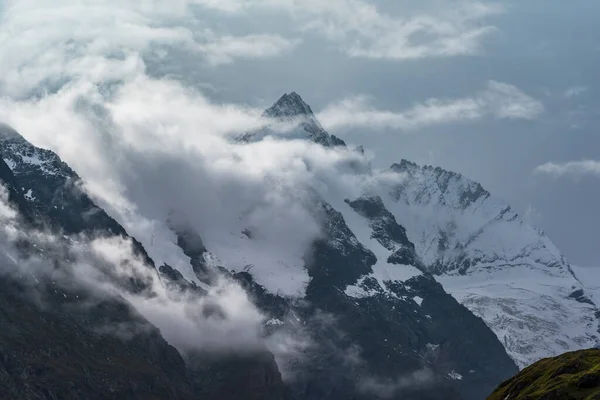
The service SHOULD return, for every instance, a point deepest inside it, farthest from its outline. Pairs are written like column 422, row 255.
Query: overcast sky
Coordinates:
column 503, row 92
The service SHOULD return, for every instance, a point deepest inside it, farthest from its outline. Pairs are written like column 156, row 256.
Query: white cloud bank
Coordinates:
column 147, row 146
column 225, row 49
column 573, row 169
column 498, row 100
column 362, row 29
column 223, row 320
column 44, row 44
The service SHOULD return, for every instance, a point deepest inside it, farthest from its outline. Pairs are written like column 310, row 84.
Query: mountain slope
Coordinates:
column 590, row 279
column 61, row 341
column 571, row 376
column 503, row 270
column 94, row 345
column 375, row 326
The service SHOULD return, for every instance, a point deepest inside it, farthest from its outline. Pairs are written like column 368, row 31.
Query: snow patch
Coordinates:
column 11, row 164
column 274, row 322
column 29, row 195
column 382, row 271
column 455, row 375
column 278, row 272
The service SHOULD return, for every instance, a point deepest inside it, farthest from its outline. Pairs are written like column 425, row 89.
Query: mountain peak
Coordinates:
column 291, row 111
column 288, row 106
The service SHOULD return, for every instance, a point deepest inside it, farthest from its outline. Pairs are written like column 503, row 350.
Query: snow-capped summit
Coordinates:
column 288, row 106
column 21, row 156
column 434, row 184
column 292, row 118
column 505, row 271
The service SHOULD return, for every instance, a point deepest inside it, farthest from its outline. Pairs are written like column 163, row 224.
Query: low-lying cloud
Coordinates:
column 222, row 320
column 391, row 388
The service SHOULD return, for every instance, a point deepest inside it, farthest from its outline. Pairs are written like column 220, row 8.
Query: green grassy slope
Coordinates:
column 571, row 376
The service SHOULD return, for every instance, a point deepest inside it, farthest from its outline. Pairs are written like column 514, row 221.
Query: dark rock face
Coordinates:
column 59, row 341
column 382, row 346
column 252, row 376
column 68, row 345
column 191, row 243
column 392, row 336
column 54, row 191
column 581, row 297
column 342, row 263
column 569, row 376
column 387, row 231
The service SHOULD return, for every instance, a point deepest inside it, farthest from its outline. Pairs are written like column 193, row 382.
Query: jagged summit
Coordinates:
column 505, row 271
column 289, row 105
column 438, row 183
column 293, row 118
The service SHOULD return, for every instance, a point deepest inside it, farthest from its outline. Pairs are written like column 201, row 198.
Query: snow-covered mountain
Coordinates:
column 505, row 271
column 489, row 259
column 376, row 324
column 590, row 279
column 371, row 292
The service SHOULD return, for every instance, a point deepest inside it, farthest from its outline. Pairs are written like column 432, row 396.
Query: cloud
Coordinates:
column 575, row 91
column 48, row 43
column 134, row 153
column 498, row 100
column 136, row 140
column 532, row 216
column 505, row 101
column 225, row 49
column 222, row 320
column 389, row 388
column 573, row 169
column 361, row 29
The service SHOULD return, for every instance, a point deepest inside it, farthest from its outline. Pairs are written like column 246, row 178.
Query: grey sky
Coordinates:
column 518, row 80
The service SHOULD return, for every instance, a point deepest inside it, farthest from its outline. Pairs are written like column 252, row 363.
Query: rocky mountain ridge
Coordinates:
column 367, row 296
column 407, row 339
column 505, row 271
column 502, row 269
